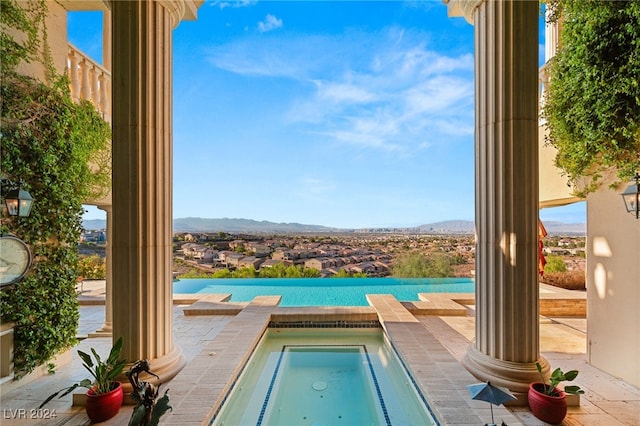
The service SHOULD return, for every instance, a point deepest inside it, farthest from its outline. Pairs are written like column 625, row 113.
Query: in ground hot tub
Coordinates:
column 324, row 377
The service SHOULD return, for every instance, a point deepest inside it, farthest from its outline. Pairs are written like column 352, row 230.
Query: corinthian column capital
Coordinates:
column 464, row 8
column 181, row 9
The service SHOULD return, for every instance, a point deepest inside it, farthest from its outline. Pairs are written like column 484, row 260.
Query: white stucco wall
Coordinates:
column 613, row 286
column 553, row 188
column 56, row 30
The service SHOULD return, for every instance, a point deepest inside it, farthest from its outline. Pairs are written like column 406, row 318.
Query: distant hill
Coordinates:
column 448, row 227
column 467, row 227
column 198, row 224
column 93, row 224
column 561, row 228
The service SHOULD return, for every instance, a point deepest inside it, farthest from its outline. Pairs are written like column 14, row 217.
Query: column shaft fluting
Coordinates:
column 506, row 168
column 142, row 184
column 107, row 327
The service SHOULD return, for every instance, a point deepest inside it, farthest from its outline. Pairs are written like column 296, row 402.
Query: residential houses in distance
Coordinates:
column 368, row 252
column 371, row 254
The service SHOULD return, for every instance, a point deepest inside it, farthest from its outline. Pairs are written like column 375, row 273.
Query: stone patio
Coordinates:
column 429, row 344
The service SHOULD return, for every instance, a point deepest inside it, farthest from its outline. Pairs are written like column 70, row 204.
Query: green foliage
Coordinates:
column 160, row 407
column 92, row 267
column 48, row 142
column 222, row 273
column 245, row 272
column 556, row 378
column 593, row 103
column 345, row 274
column 280, row 270
column 420, row 265
column 25, row 18
column 555, row 264
column 103, row 372
column 197, row 273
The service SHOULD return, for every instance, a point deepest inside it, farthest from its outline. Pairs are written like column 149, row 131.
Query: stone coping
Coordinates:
column 554, row 302
column 201, row 388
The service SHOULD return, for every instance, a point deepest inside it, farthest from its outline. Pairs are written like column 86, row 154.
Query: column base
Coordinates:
column 105, row 331
column 515, row 376
column 166, row 367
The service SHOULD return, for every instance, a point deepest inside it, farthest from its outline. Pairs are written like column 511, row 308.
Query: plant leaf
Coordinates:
column 137, row 415
column 115, row 352
column 570, row 375
column 96, row 355
column 574, row 390
column 86, row 358
column 161, row 406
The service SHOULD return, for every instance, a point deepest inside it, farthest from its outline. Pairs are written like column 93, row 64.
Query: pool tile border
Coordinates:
column 325, row 324
column 276, row 370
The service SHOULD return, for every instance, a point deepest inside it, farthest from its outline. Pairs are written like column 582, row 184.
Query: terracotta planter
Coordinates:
column 551, row 409
column 104, row 406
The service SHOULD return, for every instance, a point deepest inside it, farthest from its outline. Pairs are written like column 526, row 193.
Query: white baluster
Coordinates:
column 89, row 81
column 104, row 98
column 85, row 87
column 73, row 75
column 95, row 89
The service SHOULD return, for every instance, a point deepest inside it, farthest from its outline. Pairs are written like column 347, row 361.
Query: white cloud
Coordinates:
column 234, row 4
column 343, row 92
column 270, row 23
column 391, row 96
column 272, row 57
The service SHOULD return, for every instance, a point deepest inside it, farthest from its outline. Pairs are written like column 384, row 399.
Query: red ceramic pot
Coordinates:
column 104, row 406
column 551, row 409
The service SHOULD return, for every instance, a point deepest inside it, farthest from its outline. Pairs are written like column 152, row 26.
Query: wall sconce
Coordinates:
column 16, row 256
column 631, row 197
column 17, row 200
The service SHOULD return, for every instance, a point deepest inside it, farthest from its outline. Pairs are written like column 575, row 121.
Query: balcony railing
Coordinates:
column 89, row 81
column 543, row 80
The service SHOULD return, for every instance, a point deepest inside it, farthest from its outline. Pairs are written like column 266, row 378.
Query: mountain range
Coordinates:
column 198, row 224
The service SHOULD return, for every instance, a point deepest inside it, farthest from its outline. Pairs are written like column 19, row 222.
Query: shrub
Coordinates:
column 570, row 280
column 59, row 151
column 554, row 264
column 92, row 267
column 420, row 265
column 592, row 106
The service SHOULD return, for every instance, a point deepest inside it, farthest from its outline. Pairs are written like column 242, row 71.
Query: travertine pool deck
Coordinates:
column 432, row 345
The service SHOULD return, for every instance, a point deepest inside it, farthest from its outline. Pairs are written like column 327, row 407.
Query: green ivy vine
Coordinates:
column 59, row 150
column 593, row 102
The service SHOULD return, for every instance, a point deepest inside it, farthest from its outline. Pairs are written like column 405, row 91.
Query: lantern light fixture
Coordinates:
column 17, row 200
column 631, row 197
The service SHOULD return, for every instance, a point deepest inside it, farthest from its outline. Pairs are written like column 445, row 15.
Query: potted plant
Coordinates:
column 546, row 401
column 104, row 395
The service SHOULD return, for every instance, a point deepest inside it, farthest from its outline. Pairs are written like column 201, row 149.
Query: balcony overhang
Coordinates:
column 181, row 9
column 85, row 5
column 463, row 8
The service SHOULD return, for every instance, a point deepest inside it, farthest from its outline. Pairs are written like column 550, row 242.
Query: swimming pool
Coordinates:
column 323, row 291
column 322, row 377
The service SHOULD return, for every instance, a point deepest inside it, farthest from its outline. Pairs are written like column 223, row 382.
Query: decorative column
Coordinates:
column 107, row 53
column 107, row 327
column 142, row 183
column 551, row 35
column 506, row 167
column 106, row 39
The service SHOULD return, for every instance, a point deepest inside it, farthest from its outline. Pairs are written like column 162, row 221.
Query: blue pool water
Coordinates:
column 324, row 377
column 323, row 291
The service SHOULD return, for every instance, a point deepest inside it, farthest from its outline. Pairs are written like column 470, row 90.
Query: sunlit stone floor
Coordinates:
column 608, row 401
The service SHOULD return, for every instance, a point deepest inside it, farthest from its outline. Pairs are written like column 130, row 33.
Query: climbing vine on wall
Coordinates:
column 593, row 103
column 59, row 150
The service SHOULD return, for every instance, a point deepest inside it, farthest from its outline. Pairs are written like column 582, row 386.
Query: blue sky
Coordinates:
column 345, row 114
